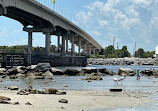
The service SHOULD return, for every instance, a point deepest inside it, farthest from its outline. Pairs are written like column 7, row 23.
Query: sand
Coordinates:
column 77, row 101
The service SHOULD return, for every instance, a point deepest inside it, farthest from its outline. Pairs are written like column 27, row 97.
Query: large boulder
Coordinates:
column 126, row 71
column 149, row 72
column 105, row 71
column 89, row 70
column 57, row 71
column 42, row 67
column 12, row 71
column 2, row 71
column 72, row 72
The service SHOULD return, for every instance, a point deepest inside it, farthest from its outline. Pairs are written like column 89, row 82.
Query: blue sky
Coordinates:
column 129, row 21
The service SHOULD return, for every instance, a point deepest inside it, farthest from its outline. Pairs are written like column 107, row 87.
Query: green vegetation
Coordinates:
column 110, row 52
column 142, row 54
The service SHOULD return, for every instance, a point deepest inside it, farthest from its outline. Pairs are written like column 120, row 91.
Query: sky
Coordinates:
column 129, row 21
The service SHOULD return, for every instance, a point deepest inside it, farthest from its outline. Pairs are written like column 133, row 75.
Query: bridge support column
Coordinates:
column 67, row 44
column 47, row 43
column 63, row 45
column 72, row 46
column 58, row 44
column 90, row 50
column 79, row 46
column 85, row 47
column 30, row 42
column 94, row 51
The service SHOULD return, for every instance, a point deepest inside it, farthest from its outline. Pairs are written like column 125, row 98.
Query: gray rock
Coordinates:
column 13, row 77
column 12, row 71
column 42, row 67
column 63, row 101
column 13, row 88
column 15, row 103
column 28, row 103
column 51, row 91
column 2, row 71
column 89, row 70
column 57, row 71
column 106, row 71
column 72, row 72
column 126, row 71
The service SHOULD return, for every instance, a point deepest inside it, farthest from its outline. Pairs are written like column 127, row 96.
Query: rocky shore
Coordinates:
column 30, row 99
column 123, row 61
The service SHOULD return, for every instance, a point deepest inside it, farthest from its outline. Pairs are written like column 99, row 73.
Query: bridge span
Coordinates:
column 36, row 17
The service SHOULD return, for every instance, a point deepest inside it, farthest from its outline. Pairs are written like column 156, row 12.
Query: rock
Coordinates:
column 60, row 93
column 13, row 77
column 23, row 92
column 1, row 80
column 20, row 75
column 106, row 71
column 149, row 72
column 63, row 101
column 2, row 71
column 89, row 70
column 42, row 67
column 20, row 69
column 33, row 91
column 39, row 77
column 47, row 73
column 57, row 71
column 72, row 72
column 4, row 76
column 51, row 91
column 126, row 71
column 28, row 103
column 15, row 103
column 65, row 85
column 31, row 68
column 12, row 71
column 93, row 78
column 13, row 88
column 4, row 98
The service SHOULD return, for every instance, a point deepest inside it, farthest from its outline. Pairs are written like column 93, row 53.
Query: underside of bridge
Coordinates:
column 37, row 18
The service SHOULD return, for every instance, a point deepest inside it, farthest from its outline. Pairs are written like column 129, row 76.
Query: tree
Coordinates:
column 140, row 53
column 125, row 52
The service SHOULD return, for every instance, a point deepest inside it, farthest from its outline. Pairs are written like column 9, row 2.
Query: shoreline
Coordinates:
column 77, row 100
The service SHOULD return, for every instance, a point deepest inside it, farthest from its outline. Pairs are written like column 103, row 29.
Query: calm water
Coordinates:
column 146, row 84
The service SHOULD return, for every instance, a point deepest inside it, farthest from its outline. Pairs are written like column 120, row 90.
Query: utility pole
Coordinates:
column 117, row 45
column 113, row 41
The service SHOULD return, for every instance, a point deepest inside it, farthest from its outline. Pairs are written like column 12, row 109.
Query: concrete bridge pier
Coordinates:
column 63, row 45
column 67, row 48
column 90, row 49
column 79, row 46
column 72, row 45
column 47, row 43
column 85, row 47
column 58, row 43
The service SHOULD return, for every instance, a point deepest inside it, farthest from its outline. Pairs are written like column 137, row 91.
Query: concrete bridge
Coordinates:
column 36, row 17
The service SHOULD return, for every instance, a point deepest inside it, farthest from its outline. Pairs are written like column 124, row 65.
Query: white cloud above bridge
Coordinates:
column 129, row 21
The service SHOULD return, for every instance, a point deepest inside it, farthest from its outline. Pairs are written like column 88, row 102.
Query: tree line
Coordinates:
column 111, row 52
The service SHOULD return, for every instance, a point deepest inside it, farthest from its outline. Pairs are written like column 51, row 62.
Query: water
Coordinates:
column 146, row 84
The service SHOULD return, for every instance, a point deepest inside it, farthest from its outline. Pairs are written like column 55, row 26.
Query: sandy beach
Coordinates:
column 77, row 101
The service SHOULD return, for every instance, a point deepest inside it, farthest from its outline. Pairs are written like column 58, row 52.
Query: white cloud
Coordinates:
column 129, row 20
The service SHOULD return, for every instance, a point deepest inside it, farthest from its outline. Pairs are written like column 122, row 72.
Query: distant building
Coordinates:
column 156, row 51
